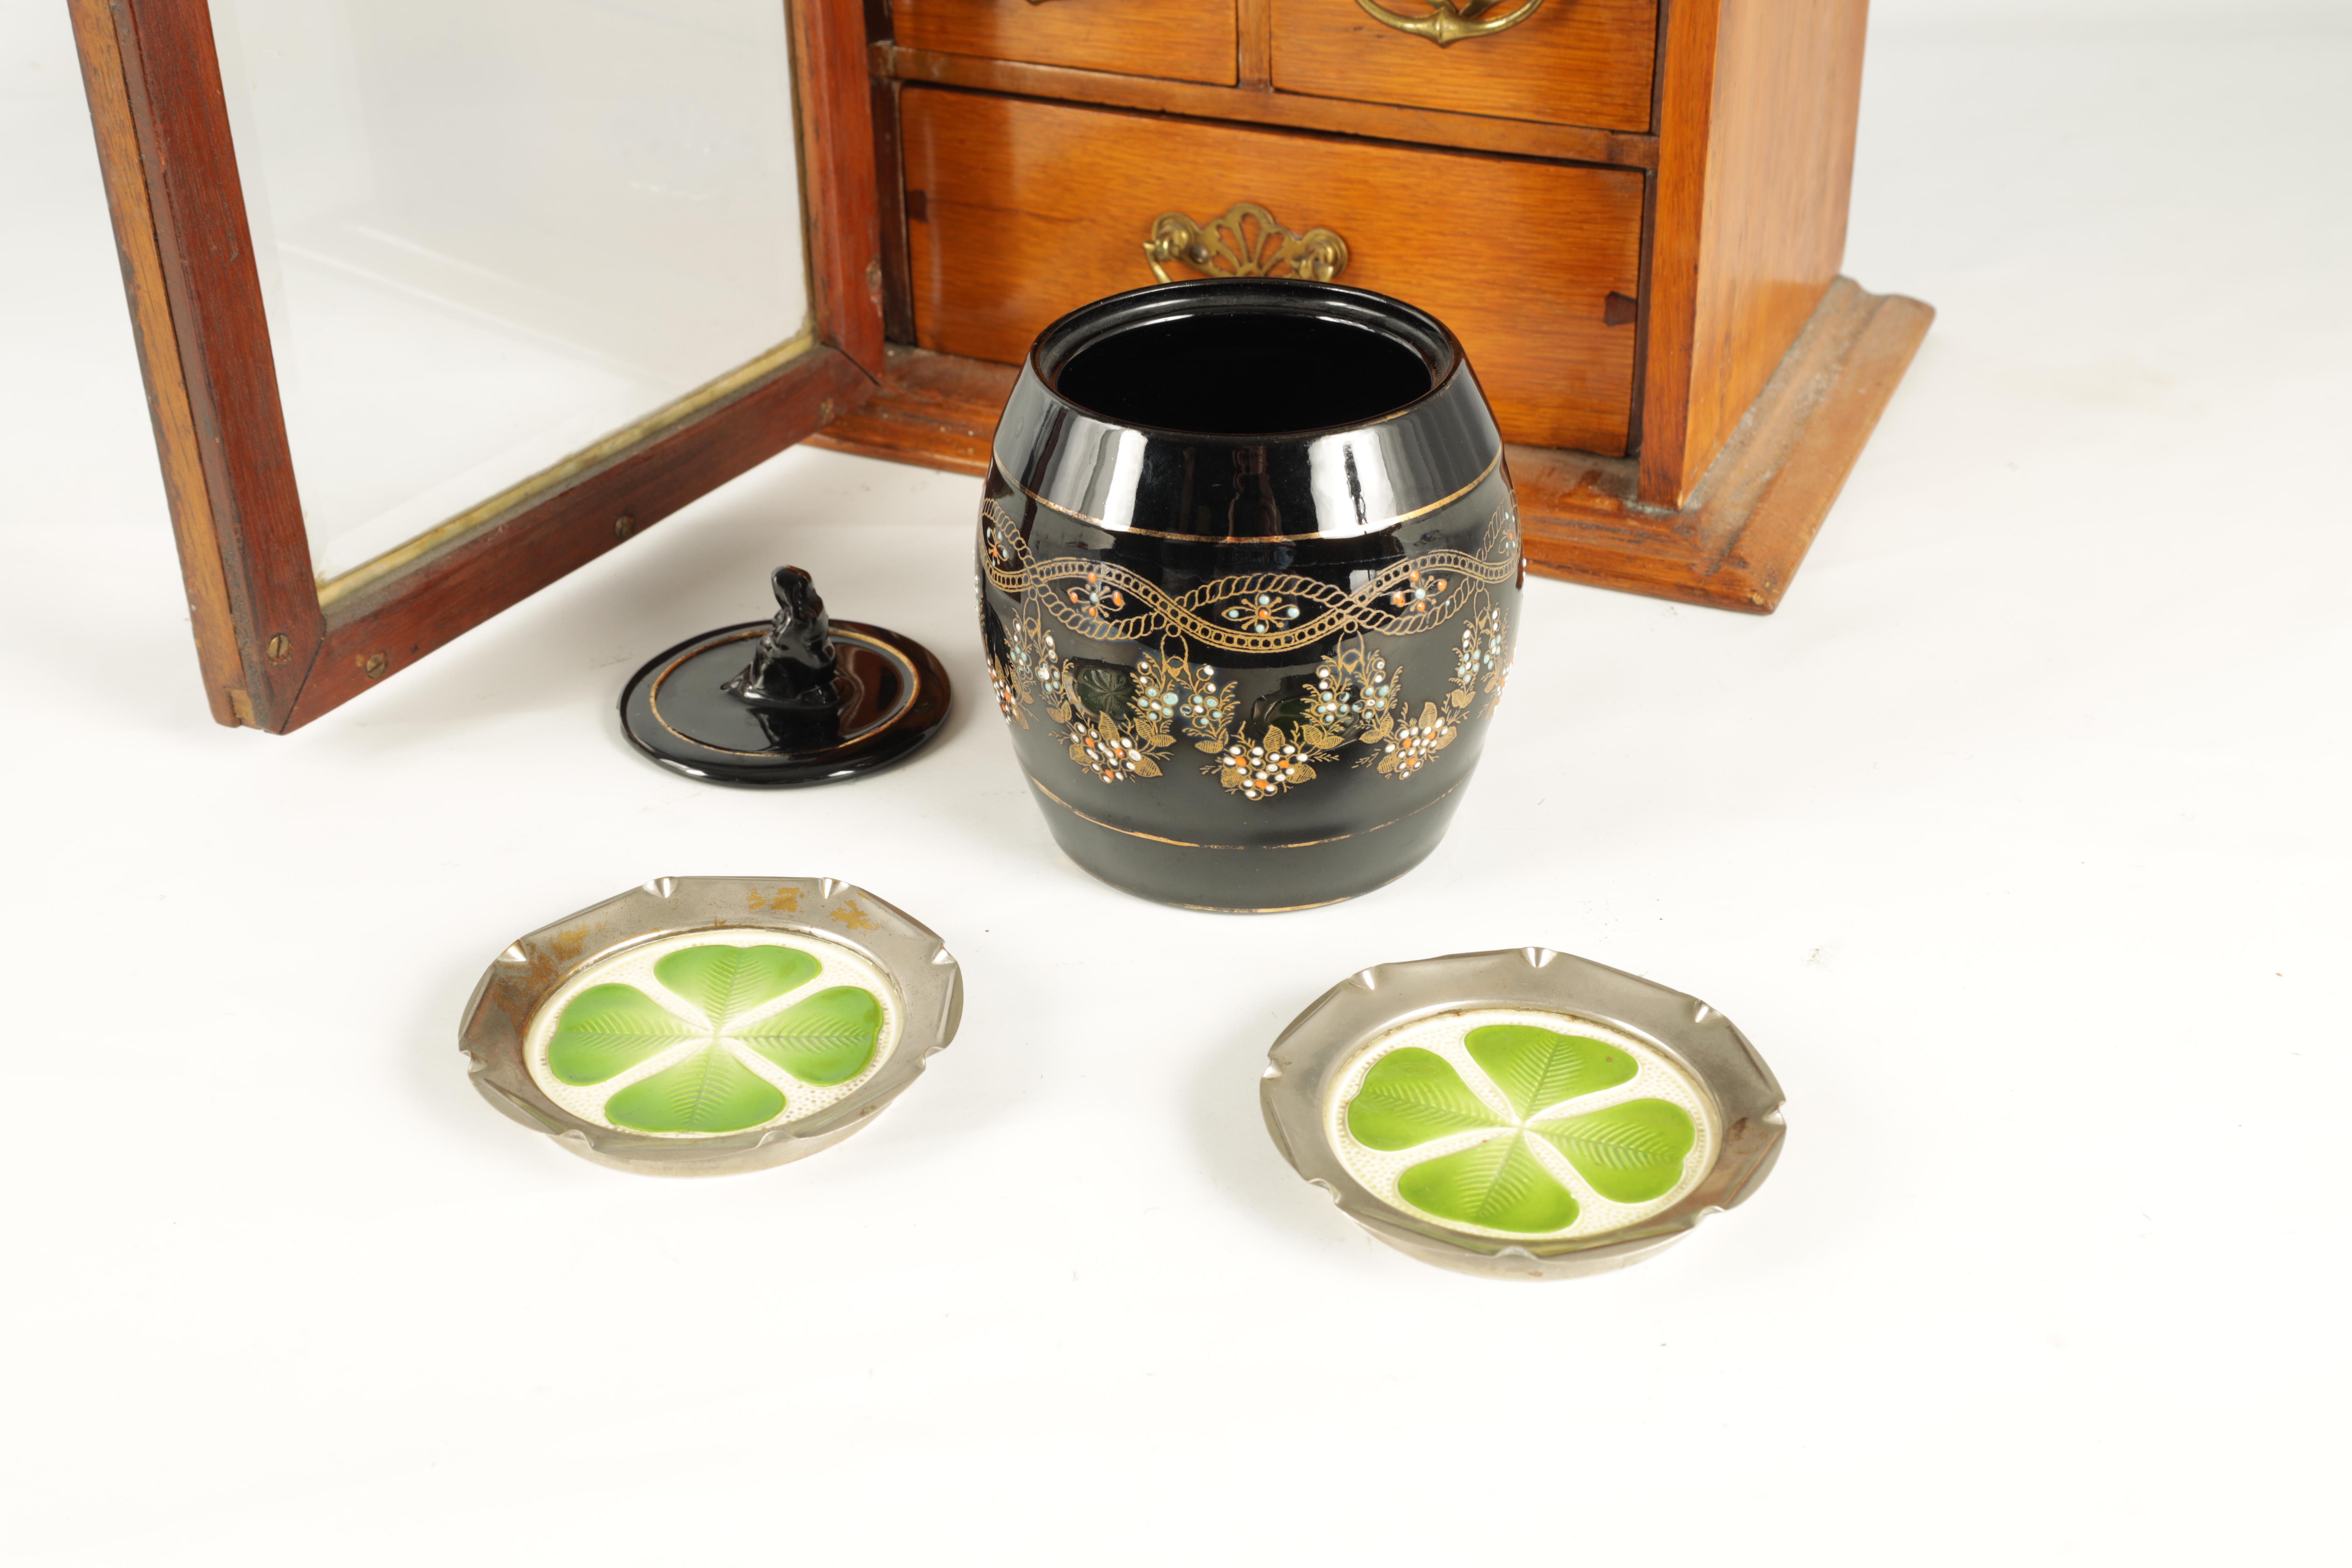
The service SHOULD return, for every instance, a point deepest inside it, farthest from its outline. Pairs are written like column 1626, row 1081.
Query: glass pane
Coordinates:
column 492, row 231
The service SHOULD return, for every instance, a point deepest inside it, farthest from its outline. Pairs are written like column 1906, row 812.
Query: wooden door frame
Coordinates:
column 275, row 651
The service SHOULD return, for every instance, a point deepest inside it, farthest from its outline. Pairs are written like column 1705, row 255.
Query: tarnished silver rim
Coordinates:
column 1304, row 1062
column 499, row 1018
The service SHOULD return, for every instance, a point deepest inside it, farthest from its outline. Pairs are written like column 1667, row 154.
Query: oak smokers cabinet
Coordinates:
column 1632, row 212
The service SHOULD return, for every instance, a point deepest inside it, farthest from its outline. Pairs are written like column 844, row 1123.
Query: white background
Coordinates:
column 2016, row 839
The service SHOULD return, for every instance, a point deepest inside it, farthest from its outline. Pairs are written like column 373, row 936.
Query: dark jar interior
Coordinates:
column 1245, row 359
column 1246, row 409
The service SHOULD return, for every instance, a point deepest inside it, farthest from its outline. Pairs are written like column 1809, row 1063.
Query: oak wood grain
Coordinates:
column 1031, row 209
column 1254, row 19
column 935, row 410
column 840, row 202
column 1678, row 210
column 1736, row 542
column 1577, row 62
column 1192, row 41
column 137, row 247
column 1759, row 103
column 1788, row 92
column 218, row 354
column 1418, row 127
column 890, row 195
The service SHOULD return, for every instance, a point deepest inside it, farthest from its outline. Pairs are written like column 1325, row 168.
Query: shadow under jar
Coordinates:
column 1249, row 579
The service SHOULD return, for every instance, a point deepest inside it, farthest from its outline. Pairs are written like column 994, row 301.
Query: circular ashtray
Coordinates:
column 700, row 1025
column 1523, row 1114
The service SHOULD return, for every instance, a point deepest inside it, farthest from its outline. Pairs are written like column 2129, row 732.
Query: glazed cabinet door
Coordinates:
column 437, row 300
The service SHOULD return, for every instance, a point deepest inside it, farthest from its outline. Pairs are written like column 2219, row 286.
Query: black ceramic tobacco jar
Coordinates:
column 1249, row 578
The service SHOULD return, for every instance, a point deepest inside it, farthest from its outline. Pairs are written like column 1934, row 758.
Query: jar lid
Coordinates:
column 1522, row 1114
column 701, row 1025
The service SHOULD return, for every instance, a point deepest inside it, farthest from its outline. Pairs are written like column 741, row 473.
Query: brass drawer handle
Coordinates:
column 1244, row 241
column 1451, row 23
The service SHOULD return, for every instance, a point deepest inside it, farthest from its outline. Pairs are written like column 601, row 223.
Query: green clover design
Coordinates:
column 824, row 1039
column 1629, row 1152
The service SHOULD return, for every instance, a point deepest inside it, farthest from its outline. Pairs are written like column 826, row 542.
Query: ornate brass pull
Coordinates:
column 1450, row 22
column 1244, row 241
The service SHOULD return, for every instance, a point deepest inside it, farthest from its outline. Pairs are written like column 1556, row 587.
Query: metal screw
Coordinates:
column 625, row 525
column 372, row 665
column 280, row 648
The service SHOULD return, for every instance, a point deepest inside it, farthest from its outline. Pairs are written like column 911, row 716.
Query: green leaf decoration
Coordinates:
column 1412, row 1096
column 827, row 1040
column 1538, row 1069
column 1288, row 711
column 1498, row 1184
column 710, row 1091
column 1630, row 1153
column 729, row 982
column 1105, row 689
column 608, row 1029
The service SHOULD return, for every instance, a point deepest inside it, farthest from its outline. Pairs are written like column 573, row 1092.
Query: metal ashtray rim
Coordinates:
column 498, row 1016
column 1319, row 1043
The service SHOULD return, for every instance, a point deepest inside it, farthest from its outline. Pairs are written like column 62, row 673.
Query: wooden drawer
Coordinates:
column 1019, row 211
column 1578, row 62
column 1185, row 41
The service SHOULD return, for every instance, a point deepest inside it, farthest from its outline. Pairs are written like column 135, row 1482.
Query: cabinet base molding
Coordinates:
column 1734, row 546
column 1738, row 540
